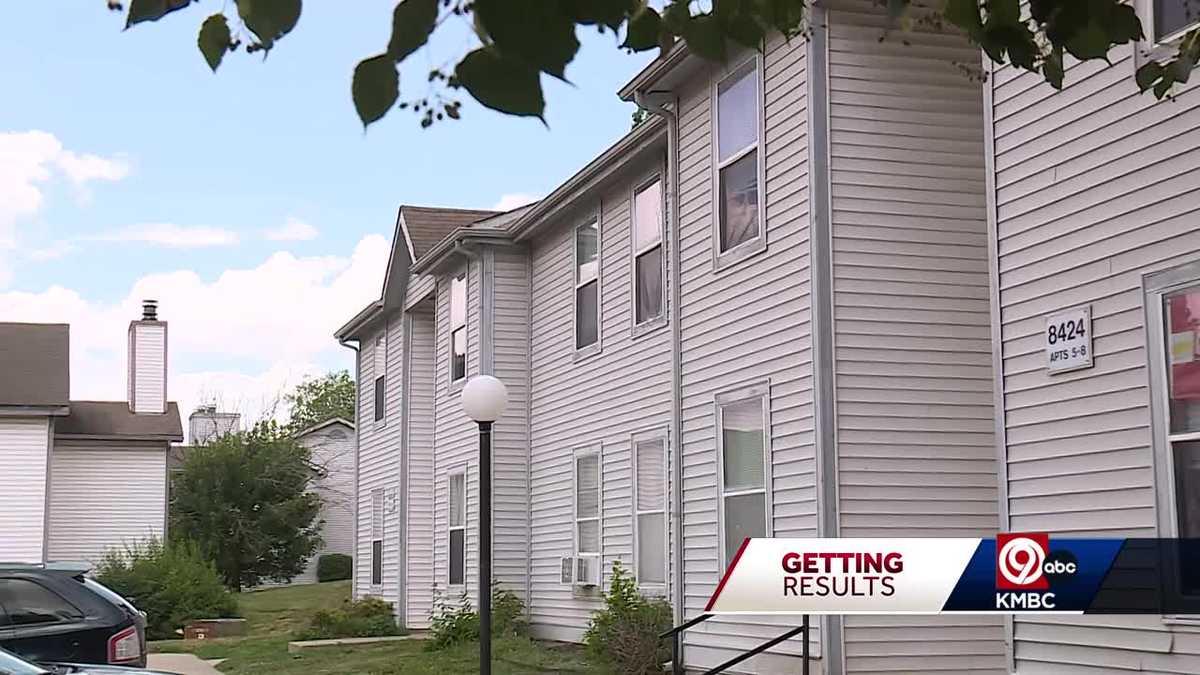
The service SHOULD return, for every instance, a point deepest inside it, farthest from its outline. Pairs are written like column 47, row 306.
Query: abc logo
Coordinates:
column 1060, row 567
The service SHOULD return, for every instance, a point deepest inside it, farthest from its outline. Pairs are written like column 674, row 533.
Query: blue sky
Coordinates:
column 149, row 175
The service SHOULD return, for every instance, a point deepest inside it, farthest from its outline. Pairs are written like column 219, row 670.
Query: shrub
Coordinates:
column 368, row 617
column 455, row 624
column 334, row 567
column 624, row 635
column 172, row 583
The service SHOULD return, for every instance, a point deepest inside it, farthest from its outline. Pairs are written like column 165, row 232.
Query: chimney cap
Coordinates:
column 149, row 310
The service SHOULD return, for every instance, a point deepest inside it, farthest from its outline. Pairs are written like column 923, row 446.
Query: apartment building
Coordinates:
column 808, row 297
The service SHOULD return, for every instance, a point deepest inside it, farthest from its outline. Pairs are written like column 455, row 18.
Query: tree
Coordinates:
column 519, row 40
column 319, row 399
column 245, row 501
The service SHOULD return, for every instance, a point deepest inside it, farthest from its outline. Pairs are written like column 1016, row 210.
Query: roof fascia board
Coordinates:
column 655, row 70
column 460, row 240
column 36, row 410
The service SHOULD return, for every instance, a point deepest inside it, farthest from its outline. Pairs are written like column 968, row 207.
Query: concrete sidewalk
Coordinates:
column 181, row 664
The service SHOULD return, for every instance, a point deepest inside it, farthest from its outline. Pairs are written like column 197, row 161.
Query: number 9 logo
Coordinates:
column 1021, row 560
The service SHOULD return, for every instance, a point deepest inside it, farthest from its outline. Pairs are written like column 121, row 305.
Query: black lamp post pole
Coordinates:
column 485, row 548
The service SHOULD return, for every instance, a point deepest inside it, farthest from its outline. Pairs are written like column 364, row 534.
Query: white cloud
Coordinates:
column 29, row 160
column 509, row 202
column 170, row 235
column 54, row 251
column 293, row 229
column 241, row 338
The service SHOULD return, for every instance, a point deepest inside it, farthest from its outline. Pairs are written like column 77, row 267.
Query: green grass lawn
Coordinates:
column 273, row 615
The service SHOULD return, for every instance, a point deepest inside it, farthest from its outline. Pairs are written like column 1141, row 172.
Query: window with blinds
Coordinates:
column 650, row 505
column 457, row 529
column 741, row 430
column 377, row 537
column 587, row 502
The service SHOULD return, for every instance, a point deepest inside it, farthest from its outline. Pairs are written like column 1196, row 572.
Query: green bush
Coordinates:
column 624, row 635
column 334, row 567
column 455, row 624
column 368, row 617
column 172, row 583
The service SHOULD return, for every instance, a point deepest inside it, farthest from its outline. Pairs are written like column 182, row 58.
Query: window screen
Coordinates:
column 743, row 473
column 737, row 157
column 647, row 251
column 1172, row 16
column 587, row 284
column 651, row 486
column 587, row 503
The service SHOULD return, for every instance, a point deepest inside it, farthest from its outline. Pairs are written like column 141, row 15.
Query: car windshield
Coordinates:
column 13, row 665
column 108, row 594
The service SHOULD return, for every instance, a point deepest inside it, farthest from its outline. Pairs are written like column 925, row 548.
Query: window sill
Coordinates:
column 648, row 326
column 457, row 385
column 1160, row 50
column 586, row 352
column 653, row 591
column 1184, row 623
column 737, row 254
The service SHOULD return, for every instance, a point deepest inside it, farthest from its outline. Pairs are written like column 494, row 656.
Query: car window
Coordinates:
column 14, row 665
column 29, row 603
column 108, row 594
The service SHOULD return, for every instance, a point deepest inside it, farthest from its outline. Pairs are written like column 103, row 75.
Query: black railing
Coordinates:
column 676, row 637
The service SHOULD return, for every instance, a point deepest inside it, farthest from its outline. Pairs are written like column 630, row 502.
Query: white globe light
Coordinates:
column 484, row 398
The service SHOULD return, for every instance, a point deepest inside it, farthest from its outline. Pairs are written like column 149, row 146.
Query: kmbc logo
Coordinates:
column 1021, row 562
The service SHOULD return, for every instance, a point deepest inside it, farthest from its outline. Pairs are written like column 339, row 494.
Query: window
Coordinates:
column 741, row 423
column 458, row 328
column 739, row 219
column 30, row 603
column 377, row 537
column 457, row 529
column 1181, row 312
column 650, row 518
column 587, row 284
column 380, row 376
column 1173, row 16
column 587, row 503
column 648, row 252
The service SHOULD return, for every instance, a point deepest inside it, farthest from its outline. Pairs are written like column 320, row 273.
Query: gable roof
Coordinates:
column 113, row 419
column 35, row 360
column 425, row 226
column 322, row 425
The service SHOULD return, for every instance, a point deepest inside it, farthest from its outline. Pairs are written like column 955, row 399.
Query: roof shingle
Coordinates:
column 34, row 364
column 427, row 226
column 113, row 419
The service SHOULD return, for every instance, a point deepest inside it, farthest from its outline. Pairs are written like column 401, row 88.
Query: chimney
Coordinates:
column 148, row 362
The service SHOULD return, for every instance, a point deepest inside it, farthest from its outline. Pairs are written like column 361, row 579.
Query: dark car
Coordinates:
column 60, row 616
column 11, row 664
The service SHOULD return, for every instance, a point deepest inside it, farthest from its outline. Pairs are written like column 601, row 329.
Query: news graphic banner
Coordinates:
column 1013, row 573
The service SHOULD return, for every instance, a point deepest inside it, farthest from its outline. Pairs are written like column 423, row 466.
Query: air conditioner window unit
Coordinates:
column 587, row 570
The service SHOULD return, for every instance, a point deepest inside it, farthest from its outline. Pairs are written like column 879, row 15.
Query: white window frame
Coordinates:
column 594, row 348
column 466, row 279
column 762, row 392
column 377, row 538
column 1152, row 47
column 379, row 378
column 650, row 436
column 1156, row 286
column 648, row 325
column 750, row 247
column 450, row 527
column 580, row 453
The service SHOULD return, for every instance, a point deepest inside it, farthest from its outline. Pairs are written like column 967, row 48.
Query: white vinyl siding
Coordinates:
column 742, row 325
column 86, row 522
column 332, row 451
column 604, row 398
column 1096, row 186
column 148, row 389
column 419, row 537
column 23, row 455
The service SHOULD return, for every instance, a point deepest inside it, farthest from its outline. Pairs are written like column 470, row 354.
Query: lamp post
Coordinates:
column 483, row 400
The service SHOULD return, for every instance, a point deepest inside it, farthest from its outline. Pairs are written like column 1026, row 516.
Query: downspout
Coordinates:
column 357, row 463
column 645, row 102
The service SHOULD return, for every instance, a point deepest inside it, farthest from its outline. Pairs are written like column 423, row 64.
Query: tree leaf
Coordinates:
column 269, row 20
column 152, row 10
column 643, row 30
column 1148, row 74
column 1052, row 68
column 535, row 31
column 375, row 87
column 215, row 39
column 1006, row 12
column 412, row 23
column 501, row 83
column 705, row 38
column 1090, row 42
column 965, row 15
column 611, row 13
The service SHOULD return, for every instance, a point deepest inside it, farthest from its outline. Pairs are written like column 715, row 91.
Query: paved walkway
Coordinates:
column 181, row 664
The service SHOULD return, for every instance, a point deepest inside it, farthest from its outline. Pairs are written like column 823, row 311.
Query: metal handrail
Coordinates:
column 676, row 635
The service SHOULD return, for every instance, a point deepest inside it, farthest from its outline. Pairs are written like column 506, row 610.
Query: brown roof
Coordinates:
column 112, row 419
column 427, row 226
column 35, row 362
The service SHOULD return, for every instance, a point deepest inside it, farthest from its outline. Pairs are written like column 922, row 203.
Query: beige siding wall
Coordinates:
column 84, row 522
column 23, row 461
column 1095, row 186
column 742, row 326
column 418, row 548
column 913, row 374
column 597, row 401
